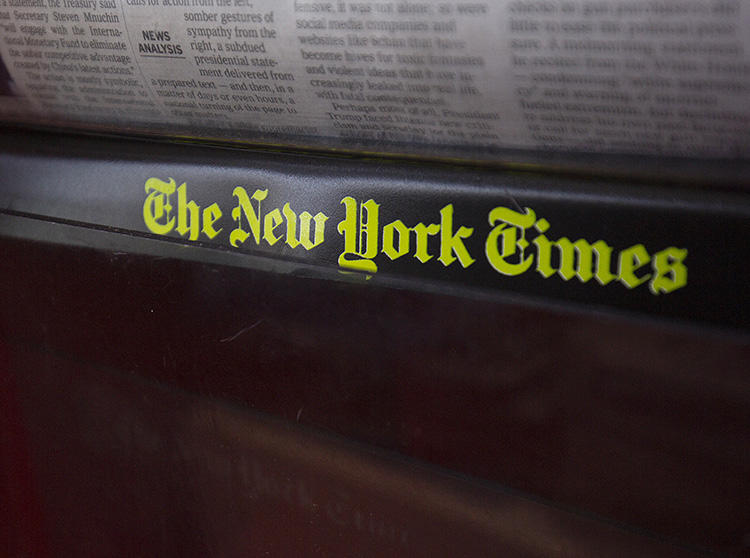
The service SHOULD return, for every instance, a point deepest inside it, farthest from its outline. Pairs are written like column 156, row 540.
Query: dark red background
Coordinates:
column 136, row 421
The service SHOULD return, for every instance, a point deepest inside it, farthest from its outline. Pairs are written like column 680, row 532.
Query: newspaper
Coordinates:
column 668, row 77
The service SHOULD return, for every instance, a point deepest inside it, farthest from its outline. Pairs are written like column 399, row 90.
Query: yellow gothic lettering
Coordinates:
column 244, row 207
column 516, row 242
column 210, row 215
column 581, row 259
column 360, row 231
column 423, row 233
column 576, row 258
column 670, row 272
column 631, row 260
column 306, row 230
column 187, row 223
column 453, row 243
column 272, row 221
column 392, row 248
column 305, row 219
column 508, row 237
column 156, row 208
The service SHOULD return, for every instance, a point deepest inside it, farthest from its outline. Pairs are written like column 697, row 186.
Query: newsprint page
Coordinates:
column 659, row 77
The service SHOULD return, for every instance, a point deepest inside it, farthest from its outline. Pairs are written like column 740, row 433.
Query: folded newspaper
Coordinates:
column 657, row 77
